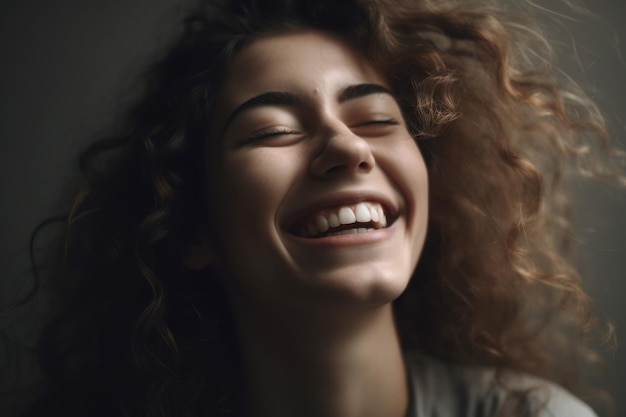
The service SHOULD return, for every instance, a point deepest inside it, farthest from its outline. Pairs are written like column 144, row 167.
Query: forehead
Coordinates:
column 311, row 63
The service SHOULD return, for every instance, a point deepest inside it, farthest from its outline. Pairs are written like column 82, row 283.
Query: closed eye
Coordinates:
column 375, row 127
column 270, row 133
column 379, row 122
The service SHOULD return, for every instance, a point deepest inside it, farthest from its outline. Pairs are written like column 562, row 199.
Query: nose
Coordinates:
column 342, row 152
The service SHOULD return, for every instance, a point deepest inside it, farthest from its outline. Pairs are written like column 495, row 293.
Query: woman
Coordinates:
column 345, row 209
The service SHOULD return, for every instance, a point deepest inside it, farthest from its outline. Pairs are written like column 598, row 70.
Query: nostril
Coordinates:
column 364, row 165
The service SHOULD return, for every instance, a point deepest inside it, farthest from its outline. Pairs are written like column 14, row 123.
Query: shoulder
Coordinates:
column 441, row 388
column 549, row 399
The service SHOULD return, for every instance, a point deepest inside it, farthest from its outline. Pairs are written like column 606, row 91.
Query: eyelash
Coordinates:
column 270, row 133
column 380, row 122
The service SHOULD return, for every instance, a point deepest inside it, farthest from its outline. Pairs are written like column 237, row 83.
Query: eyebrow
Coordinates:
column 286, row 98
column 361, row 90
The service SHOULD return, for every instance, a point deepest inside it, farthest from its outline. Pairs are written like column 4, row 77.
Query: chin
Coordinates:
column 365, row 286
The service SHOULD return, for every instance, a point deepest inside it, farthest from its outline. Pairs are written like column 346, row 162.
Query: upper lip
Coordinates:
column 336, row 199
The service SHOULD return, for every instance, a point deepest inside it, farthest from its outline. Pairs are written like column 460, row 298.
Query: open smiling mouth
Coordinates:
column 362, row 217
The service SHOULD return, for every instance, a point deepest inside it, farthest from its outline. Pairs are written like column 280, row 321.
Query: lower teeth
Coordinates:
column 351, row 231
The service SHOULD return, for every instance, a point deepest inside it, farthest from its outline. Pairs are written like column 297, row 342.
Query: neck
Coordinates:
column 341, row 364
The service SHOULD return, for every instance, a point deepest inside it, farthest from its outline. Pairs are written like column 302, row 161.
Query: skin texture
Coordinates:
column 336, row 153
column 314, row 315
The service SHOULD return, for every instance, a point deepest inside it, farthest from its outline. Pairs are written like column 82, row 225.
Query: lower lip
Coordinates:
column 355, row 239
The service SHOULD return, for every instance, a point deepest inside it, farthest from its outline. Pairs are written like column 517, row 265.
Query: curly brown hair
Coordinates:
column 139, row 335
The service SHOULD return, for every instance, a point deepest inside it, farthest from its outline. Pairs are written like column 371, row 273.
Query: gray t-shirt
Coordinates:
column 439, row 389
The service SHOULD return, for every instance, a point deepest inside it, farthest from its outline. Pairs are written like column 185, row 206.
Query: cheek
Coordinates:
column 251, row 187
column 405, row 165
column 251, row 182
column 407, row 171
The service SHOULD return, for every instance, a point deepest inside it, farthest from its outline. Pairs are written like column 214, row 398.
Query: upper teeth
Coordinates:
column 323, row 221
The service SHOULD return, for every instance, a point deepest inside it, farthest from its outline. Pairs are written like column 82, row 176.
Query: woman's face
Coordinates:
column 321, row 192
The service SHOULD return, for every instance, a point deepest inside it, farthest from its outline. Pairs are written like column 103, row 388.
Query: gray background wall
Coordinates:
column 65, row 63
